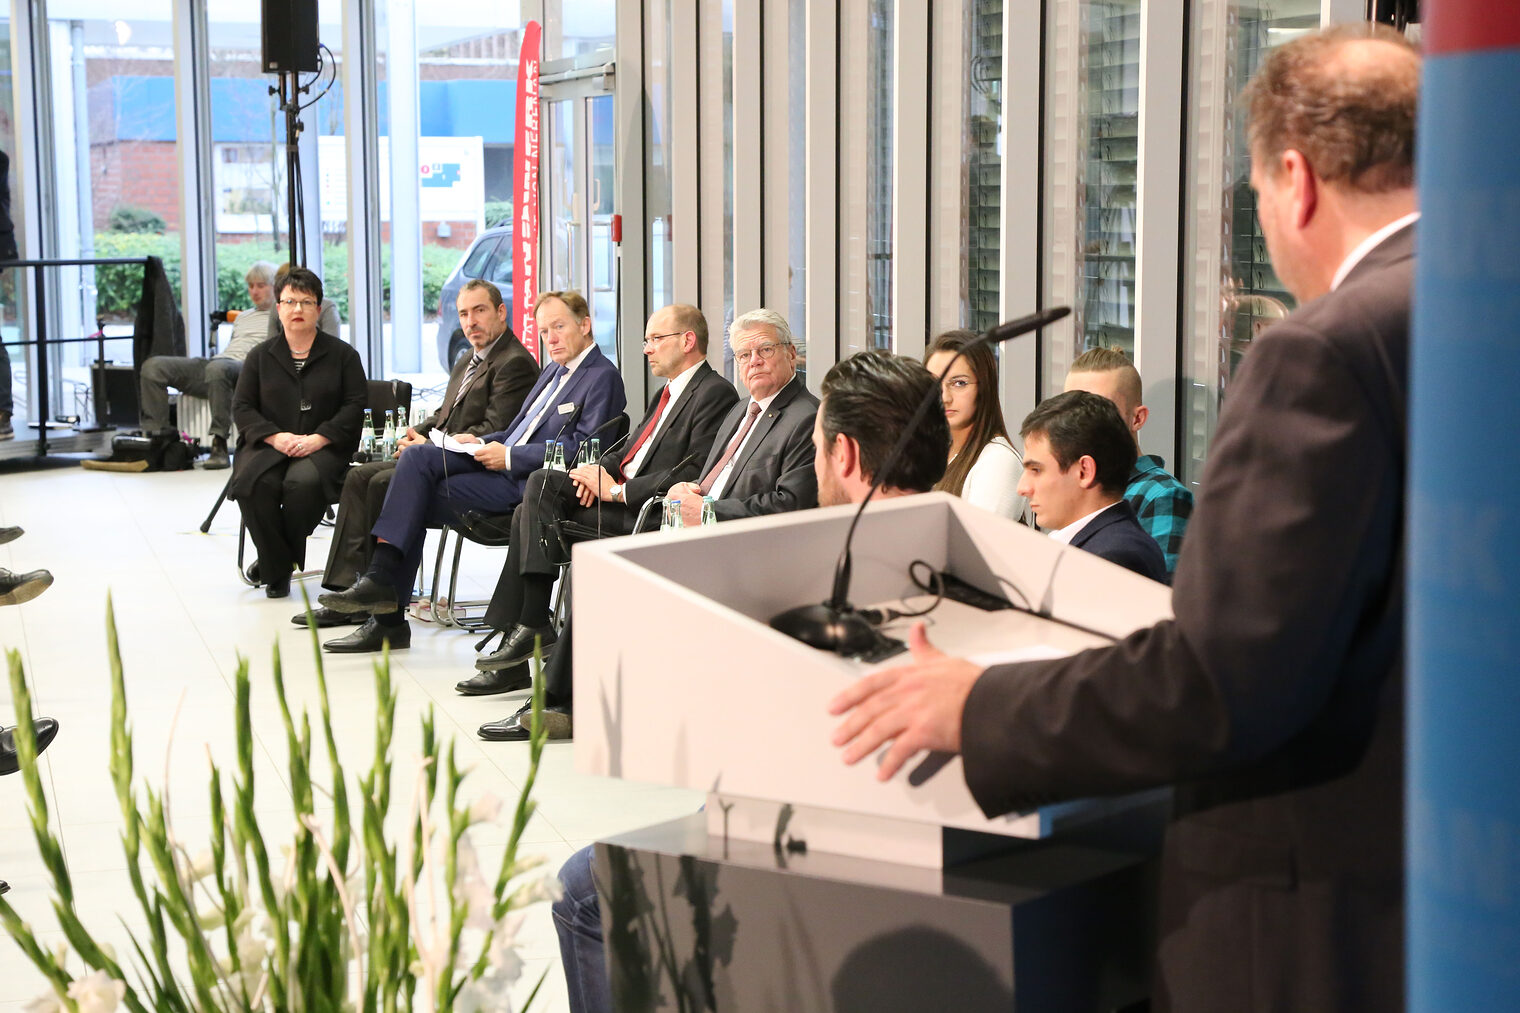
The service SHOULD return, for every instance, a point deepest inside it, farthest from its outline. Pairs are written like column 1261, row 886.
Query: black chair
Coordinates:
column 383, row 396
column 492, row 530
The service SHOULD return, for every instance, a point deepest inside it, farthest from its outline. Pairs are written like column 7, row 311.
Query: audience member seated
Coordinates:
column 299, row 407
column 984, row 467
column 574, row 396
column 667, row 446
column 761, row 462
column 215, row 378
column 867, row 400
column 484, row 394
column 1162, row 504
column 1078, row 454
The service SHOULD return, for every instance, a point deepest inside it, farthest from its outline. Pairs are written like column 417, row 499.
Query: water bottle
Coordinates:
column 593, row 450
column 388, row 440
column 709, row 515
column 672, row 516
column 367, row 434
column 549, row 455
column 559, row 456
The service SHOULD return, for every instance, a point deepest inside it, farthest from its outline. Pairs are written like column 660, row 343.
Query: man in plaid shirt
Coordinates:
column 1161, row 503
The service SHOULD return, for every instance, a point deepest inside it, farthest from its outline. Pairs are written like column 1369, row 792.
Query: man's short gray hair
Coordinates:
column 262, row 272
column 762, row 318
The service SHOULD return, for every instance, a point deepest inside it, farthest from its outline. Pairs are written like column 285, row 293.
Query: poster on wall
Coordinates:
column 525, row 192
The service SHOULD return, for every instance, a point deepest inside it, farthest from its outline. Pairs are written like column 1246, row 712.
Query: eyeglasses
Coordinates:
column 304, row 304
column 655, row 339
column 765, row 352
column 956, row 385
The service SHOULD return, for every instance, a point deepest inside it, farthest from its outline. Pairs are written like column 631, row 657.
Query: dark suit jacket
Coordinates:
column 495, row 394
column 1117, row 536
column 774, row 471
column 592, row 397
column 1276, row 695
column 688, row 432
column 268, row 401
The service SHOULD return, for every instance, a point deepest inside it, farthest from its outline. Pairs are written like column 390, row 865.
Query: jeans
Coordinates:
column 578, row 921
column 212, row 379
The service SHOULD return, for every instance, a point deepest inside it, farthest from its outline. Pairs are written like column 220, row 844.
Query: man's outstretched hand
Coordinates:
column 914, row 707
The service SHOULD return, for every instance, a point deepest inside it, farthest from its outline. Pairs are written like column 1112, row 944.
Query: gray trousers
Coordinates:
column 212, row 379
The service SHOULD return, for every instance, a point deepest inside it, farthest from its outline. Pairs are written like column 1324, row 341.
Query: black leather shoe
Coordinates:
column 502, row 680
column 371, row 637
column 558, row 725
column 218, row 458
column 10, row 534
column 367, row 595
column 251, row 571
column 326, row 617
column 45, row 729
column 279, row 588
column 5, row 888
column 16, row 588
column 518, row 647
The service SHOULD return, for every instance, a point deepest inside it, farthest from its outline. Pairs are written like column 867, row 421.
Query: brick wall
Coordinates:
column 143, row 174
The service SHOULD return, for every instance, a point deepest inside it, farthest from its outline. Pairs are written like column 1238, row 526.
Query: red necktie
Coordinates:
column 659, row 413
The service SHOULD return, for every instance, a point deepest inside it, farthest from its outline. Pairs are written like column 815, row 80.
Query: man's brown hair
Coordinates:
column 1345, row 98
column 1112, row 360
column 492, row 292
column 689, row 318
column 573, row 300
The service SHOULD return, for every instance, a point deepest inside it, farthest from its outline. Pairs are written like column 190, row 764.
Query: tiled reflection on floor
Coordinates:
column 185, row 620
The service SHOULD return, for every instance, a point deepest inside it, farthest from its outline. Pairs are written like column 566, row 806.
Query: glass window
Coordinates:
column 982, row 213
column 1230, row 292
column 865, row 178
column 658, row 195
column 585, row 25
column 1092, row 130
column 13, row 356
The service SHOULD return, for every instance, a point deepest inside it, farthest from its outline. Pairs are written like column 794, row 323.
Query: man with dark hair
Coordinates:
column 868, row 399
column 1162, row 504
column 603, row 497
column 1275, row 698
column 574, row 396
column 1078, row 455
column 485, row 391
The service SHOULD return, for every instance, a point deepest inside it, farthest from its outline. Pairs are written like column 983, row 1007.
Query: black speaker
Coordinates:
column 290, row 36
column 115, row 395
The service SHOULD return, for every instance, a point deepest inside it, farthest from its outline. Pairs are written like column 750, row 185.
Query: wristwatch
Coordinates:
column 616, row 492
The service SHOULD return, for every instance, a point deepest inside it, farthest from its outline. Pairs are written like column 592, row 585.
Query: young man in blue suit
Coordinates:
column 575, row 395
column 1078, row 454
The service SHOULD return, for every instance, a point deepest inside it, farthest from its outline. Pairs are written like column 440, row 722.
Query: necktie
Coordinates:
column 530, row 417
column 654, row 422
column 464, row 385
column 733, row 448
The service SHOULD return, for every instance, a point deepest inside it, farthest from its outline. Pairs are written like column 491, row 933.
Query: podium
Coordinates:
column 679, row 680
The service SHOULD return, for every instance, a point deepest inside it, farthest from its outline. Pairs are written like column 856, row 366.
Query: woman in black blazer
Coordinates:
column 299, row 407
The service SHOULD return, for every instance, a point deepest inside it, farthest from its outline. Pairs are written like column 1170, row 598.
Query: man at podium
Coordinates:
column 1275, row 698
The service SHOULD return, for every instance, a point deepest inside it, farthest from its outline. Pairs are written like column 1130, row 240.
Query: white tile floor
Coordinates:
column 185, row 620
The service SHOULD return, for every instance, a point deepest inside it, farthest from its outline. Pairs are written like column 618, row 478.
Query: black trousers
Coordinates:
column 535, row 549
column 285, row 506
column 358, row 508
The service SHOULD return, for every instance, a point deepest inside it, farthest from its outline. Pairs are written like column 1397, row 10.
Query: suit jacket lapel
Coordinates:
column 1109, row 515
column 674, row 410
column 764, row 424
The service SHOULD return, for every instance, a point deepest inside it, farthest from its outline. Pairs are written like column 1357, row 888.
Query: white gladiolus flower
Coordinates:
column 97, row 992
column 485, row 809
column 47, row 1002
column 61, row 952
column 471, row 889
column 201, row 866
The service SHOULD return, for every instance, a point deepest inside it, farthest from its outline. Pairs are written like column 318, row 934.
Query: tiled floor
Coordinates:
column 185, row 620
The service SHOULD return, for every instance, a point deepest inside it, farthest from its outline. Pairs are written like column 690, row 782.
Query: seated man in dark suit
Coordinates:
column 1078, row 454
column 575, row 395
column 761, row 462
column 665, row 447
column 485, row 392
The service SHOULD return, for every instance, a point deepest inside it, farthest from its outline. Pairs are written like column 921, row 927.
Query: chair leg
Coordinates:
column 434, row 593
column 220, row 499
column 242, row 543
column 561, row 599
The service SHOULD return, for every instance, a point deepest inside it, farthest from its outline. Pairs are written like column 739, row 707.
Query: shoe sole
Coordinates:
column 351, row 619
column 521, row 682
column 488, row 663
column 348, row 608
column 331, row 649
column 26, row 591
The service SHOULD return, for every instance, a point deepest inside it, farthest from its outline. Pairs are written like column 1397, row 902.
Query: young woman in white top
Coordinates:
column 984, row 468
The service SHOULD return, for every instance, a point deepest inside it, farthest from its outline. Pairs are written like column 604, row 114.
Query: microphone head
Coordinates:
column 839, row 631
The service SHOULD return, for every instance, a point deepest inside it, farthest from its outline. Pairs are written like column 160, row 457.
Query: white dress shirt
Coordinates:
column 1074, row 529
column 721, row 482
column 1367, row 245
column 551, row 394
column 677, row 388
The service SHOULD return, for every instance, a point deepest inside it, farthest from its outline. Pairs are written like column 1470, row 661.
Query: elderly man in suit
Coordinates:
column 1275, row 698
column 761, row 462
column 665, row 447
column 485, row 392
column 574, row 396
column 1078, row 455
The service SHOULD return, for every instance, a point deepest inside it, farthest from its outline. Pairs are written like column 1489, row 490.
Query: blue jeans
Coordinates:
column 578, row 920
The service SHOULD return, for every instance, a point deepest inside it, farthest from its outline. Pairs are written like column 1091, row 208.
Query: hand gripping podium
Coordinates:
column 807, row 884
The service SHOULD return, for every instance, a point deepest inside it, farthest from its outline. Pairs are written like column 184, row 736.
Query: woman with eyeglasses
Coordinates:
column 984, row 468
column 299, row 407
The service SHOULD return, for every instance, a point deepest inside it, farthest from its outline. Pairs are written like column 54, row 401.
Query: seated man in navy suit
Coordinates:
column 1078, row 454
column 574, row 396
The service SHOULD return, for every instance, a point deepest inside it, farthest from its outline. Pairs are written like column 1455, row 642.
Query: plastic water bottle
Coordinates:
column 709, row 515
column 367, row 434
column 388, row 440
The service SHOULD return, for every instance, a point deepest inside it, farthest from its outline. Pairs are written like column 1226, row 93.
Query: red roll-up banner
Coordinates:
column 525, row 192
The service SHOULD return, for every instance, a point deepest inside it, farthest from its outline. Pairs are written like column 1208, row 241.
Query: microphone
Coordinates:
column 670, row 472
column 835, row 625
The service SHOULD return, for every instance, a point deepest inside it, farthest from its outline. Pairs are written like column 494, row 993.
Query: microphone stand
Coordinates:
column 835, row 625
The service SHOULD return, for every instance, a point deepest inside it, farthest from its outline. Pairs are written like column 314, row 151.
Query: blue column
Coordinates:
column 1464, row 520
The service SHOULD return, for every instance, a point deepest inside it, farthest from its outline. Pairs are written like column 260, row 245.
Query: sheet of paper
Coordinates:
column 447, row 442
column 1031, row 652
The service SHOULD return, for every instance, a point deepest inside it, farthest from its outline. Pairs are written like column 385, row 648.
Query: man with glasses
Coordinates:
column 761, row 462
column 604, row 496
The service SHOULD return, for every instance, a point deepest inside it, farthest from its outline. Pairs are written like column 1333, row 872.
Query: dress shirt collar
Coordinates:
column 1367, row 245
column 682, row 379
column 575, row 363
column 766, row 402
column 1074, row 529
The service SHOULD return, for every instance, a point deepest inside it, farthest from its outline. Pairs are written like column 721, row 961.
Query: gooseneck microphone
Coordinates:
column 835, row 625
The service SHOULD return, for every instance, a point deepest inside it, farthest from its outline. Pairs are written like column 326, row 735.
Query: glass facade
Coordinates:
column 982, row 143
